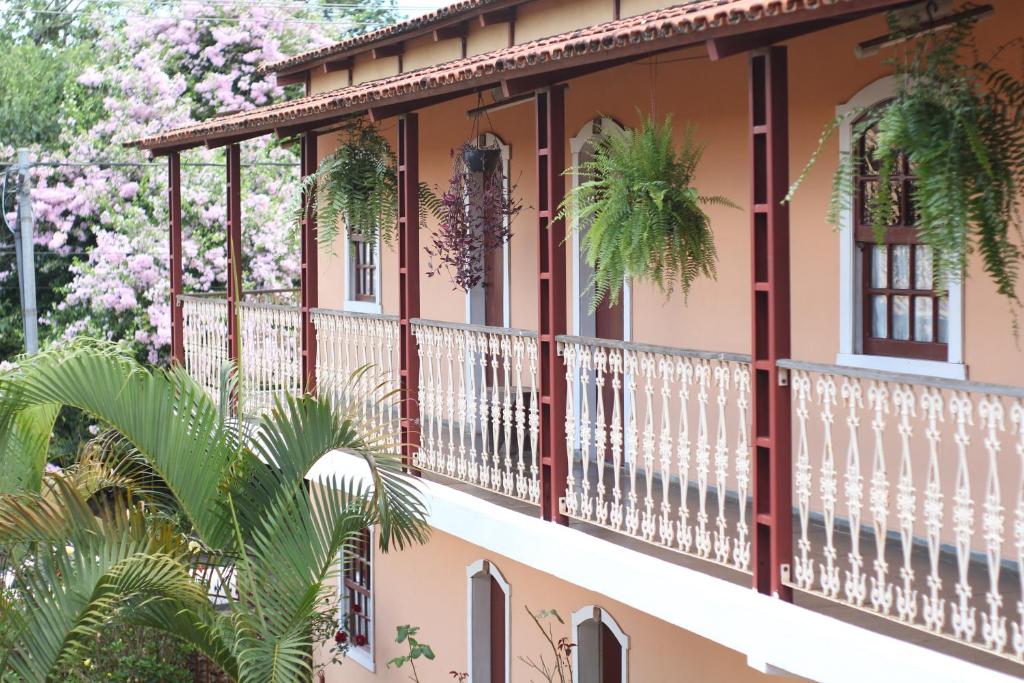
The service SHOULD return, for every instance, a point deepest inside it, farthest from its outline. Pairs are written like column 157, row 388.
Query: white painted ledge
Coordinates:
column 775, row 636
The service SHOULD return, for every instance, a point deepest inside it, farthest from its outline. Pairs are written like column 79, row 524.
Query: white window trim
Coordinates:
column 850, row 321
column 361, row 306
column 475, row 298
column 598, row 614
column 364, row 656
column 485, row 567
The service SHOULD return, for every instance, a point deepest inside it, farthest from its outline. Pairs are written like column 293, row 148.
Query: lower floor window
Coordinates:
column 357, row 597
column 602, row 648
column 488, row 623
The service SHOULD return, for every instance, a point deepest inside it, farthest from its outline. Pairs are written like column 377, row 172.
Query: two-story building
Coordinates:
column 811, row 466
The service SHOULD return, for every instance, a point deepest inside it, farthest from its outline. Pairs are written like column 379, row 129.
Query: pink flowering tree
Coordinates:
column 154, row 71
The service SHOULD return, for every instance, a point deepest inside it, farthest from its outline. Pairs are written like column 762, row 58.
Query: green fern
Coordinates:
column 639, row 214
column 358, row 185
column 960, row 123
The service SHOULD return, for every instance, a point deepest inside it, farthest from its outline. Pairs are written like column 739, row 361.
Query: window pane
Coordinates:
column 879, row 266
column 869, row 165
column 943, row 322
column 896, row 202
column 879, row 318
column 901, row 266
column 901, row 318
column 868, row 188
column 923, row 267
column 923, row 318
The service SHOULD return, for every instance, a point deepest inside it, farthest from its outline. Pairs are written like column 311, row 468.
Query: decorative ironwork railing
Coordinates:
column 269, row 353
column 357, row 365
column 478, row 406
column 657, row 440
column 205, row 333
column 910, row 493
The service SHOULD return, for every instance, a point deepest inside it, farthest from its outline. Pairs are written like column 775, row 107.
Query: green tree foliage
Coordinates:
column 640, row 215
column 131, row 654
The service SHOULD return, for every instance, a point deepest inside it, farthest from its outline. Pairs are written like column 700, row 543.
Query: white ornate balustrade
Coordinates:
column 357, row 365
column 657, row 441
column 269, row 353
column 478, row 406
column 205, row 333
column 910, row 494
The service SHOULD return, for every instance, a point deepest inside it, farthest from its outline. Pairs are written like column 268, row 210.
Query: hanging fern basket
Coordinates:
column 638, row 213
column 959, row 123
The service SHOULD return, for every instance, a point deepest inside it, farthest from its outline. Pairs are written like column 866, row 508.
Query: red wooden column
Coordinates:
column 308, row 273
column 550, row 110
column 234, row 246
column 772, row 445
column 408, row 282
column 174, row 246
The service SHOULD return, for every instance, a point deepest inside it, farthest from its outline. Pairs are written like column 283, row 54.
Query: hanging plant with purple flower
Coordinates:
column 475, row 213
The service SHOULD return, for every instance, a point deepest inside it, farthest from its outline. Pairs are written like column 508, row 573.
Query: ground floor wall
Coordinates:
column 426, row 586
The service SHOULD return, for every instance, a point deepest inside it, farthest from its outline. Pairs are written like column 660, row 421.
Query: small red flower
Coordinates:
column 360, row 640
column 356, row 609
column 340, row 637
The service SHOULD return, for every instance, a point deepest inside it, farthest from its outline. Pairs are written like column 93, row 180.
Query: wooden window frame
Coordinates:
column 850, row 350
column 354, row 301
column 901, row 234
column 361, row 585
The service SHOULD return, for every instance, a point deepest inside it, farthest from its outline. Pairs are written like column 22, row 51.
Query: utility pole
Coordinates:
column 25, row 253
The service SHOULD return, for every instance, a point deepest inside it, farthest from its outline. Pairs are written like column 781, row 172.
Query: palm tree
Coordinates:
column 213, row 489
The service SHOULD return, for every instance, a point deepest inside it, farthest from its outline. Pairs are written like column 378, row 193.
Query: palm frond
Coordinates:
column 166, row 416
column 75, row 585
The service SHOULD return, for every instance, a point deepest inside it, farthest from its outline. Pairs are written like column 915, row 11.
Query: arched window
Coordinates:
column 488, row 618
column 890, row 315
column 601, row 654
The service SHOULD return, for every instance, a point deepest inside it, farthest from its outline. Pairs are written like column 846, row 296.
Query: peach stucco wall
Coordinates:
column 426, row 586
column 713, row 96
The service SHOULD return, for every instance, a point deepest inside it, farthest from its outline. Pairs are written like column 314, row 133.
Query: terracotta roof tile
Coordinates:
column 693, row 17
column 423, row 21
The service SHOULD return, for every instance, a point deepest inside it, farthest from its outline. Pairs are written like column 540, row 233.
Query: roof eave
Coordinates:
column 728, row 35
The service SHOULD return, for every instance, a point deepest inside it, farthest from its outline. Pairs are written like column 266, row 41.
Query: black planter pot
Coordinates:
column 480, row 160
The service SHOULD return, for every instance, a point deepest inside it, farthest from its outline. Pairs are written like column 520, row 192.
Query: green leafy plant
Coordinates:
column 640, row 215
column 357, row 184
column 406, row 634
column 209, row 489
column 959, row 123
column 560, row 668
